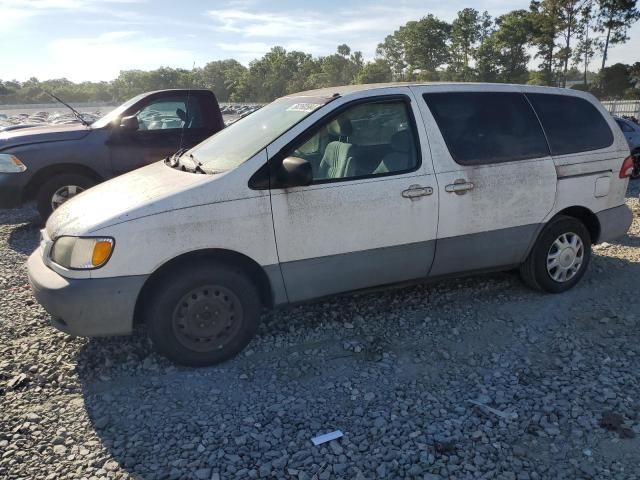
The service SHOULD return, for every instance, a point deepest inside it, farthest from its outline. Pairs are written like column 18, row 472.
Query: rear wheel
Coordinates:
column 59, row 189
column 203, row 314
column 560, row 256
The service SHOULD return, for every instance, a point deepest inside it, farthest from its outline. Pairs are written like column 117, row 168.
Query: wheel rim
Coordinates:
column 63, row 194
column 207, row 318
column 565, row 257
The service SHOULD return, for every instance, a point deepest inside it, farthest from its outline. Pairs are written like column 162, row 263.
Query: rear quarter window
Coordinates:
column 487, row 127
column 572, row 124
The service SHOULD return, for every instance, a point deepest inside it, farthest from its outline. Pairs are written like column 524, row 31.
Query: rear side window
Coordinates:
column 572, row 124
column 487, row 127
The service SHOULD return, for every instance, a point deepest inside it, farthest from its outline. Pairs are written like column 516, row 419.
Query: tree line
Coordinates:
column 563, row 36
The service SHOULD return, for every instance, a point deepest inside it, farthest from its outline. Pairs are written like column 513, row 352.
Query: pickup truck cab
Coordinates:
column 336, row 190
column 54, row 163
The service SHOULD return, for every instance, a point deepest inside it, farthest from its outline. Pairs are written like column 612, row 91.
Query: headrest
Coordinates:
column 182, row 115
column 340, row 127
column 401, row 141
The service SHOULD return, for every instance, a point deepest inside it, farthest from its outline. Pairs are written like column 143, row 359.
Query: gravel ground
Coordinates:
column 473, row 378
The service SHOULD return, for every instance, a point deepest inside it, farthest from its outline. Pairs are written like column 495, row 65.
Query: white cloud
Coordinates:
column 102, row 57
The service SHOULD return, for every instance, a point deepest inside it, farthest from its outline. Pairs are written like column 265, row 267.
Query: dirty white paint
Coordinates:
column 157, row 213
column 354, row 215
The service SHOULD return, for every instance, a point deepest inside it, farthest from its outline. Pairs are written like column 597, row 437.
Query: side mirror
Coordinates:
column 130, row 123
column 294, row 172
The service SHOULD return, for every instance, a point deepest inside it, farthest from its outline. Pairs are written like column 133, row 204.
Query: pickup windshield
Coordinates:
column 242, row 140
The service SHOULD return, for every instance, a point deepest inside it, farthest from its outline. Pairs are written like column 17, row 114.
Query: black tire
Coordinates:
column 50, row 187
column 186, row 292
column 534, row 271
column 635, row 173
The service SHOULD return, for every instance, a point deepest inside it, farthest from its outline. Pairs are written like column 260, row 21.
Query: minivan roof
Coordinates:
column 346, row 90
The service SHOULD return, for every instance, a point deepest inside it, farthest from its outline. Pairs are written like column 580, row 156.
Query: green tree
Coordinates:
column 568, row 23
column 614, row 19
column 615, row 80
column 503, row 56
column 392, row 51
column 588, row 44
column 378, row 71
column 465, row 33
column 417, row 45
column 221, row 76
column 545, row 18
column 425, row 43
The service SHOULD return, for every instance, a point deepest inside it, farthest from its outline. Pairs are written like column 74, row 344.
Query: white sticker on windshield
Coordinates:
column 304, row 107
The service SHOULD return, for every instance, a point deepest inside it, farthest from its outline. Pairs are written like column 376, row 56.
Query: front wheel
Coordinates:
column 59, row 189
column 202, row 314
column 559, row 257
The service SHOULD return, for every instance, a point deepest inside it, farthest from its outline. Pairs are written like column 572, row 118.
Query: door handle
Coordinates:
column 459, row 187
column 414, row 192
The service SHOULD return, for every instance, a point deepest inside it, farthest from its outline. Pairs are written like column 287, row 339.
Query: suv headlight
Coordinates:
column 11, row 164
column 82, row 253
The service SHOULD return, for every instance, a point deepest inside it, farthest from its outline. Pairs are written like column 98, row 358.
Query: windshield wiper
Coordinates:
column 198, row 165
column 76, row 113
column 174, row 160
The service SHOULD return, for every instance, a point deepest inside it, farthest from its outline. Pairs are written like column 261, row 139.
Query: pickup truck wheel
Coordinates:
column 201, row 315
column 560, row 256
column 58, row 189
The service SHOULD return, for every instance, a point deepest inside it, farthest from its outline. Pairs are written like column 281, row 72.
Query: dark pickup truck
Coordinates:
column 52, row 164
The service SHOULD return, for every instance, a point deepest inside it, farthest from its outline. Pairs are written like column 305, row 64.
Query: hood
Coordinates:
column 147, row 191
column 49, row 133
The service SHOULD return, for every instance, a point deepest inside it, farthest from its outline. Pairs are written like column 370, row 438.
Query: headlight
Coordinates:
column 82, row 253
column 11, row 164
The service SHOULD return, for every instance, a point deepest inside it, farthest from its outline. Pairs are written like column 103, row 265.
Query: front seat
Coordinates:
column 337, row 154
column 402, row 156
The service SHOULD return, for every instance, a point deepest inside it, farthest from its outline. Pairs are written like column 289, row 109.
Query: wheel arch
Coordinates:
column 44, row 174
column 583, row 214
column 249, row 266
column 586, row 216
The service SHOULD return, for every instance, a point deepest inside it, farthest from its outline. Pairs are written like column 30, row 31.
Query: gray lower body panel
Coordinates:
column 85, row 307
column 279, row 293
column 317, row 277
column 614, row 222
column 484, row 250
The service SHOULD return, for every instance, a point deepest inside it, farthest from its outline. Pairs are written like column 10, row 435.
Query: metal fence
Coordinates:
column 623, row 107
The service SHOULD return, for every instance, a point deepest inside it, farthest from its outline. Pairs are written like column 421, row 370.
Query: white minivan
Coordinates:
column 335, row 190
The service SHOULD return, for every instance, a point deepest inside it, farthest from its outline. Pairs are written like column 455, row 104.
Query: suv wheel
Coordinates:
column 58, row 189
column 202, row 314
column 560, row 256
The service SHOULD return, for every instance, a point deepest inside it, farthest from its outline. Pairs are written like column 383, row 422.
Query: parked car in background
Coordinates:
column 631, row 131
column 335, row 190
column 51, row 164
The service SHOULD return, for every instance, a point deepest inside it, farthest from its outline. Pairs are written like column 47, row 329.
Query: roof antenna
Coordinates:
column 186, row 119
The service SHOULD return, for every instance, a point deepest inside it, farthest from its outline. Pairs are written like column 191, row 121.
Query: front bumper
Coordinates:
column 614, row 223
column 85, row 307
column 11, row 189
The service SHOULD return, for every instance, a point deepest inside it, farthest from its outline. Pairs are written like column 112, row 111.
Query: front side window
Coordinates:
column 367, row 139
column 572, row 124
column 487, row 127
column 170, row 114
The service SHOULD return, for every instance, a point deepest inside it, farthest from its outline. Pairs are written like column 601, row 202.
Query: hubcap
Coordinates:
column 207, row 317
column 63, row 194
column 565, row 257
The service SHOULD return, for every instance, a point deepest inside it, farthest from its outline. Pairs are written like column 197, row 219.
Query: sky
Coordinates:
column 95, row 39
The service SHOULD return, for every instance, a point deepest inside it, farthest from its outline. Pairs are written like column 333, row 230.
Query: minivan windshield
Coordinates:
column 242, row 140
column 116, row 112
